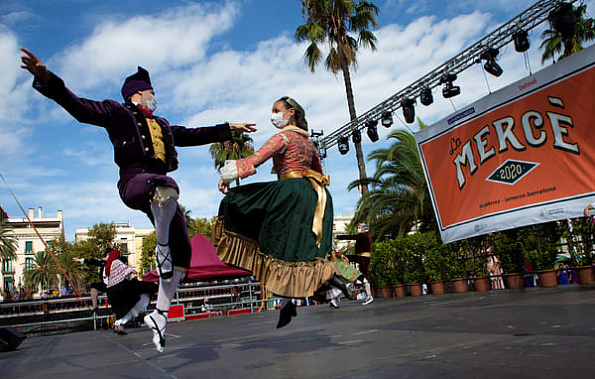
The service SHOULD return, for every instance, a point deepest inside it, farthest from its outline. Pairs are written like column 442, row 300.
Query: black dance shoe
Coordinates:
column 285, row 314
column 338, row 283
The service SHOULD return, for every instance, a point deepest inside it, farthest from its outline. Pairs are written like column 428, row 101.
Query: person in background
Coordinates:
column 363, row 250
column 128, row 296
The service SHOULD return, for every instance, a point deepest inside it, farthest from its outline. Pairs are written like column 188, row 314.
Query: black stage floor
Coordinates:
column 530, row 333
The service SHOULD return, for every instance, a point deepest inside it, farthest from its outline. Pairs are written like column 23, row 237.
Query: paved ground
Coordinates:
column 530, row 333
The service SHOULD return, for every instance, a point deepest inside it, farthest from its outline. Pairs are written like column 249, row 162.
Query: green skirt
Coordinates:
column 266, row 228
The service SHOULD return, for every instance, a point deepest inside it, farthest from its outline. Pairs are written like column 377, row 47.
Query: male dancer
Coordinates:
column 144, row 149
column 363, row 248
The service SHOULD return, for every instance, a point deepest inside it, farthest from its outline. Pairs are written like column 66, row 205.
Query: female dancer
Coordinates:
column 282, row 230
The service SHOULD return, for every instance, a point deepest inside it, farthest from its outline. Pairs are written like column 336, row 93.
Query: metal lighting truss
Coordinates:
column 527, row 20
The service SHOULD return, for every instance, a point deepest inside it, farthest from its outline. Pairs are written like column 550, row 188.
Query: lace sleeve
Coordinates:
column 275, row 145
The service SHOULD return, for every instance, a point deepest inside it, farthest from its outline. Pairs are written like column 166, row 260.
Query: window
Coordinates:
column 7, row 266
column 28, row 247
column 8, row 284
column 28, row 263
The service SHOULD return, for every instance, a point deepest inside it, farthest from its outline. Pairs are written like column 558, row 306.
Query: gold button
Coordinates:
column 143, row 136
column 124, row 143
column 139, row 124
column 146, row 149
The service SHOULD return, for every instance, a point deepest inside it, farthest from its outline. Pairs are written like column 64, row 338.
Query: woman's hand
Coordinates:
column 223, row 186
column 243, row 127
column 587, row 209
column 34, row 65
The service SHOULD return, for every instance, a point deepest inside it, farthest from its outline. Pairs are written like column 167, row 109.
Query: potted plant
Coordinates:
column 414, row 248
column 578, row 233
column 380, row 271
column 437, row 263
column 539, row 245
column 507, row 248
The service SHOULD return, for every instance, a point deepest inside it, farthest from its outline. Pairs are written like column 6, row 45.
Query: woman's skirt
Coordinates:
column 267, row 228
column 124, row 295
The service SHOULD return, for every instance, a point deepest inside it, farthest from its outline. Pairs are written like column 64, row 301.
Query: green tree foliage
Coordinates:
column 147, row 260
column 345, row 25
column 555, row 46
column 238, row 147
column 43, row 272
column 399, row 199
column 8, row 243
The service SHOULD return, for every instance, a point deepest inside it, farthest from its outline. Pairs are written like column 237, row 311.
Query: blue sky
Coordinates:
column 210, row 61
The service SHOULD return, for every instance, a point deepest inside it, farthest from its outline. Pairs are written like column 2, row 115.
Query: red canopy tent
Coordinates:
column 204, row 263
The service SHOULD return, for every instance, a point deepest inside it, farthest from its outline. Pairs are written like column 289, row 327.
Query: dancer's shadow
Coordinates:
column 297, row 342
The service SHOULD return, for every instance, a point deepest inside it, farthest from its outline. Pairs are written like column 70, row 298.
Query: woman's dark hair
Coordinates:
column 300, row 114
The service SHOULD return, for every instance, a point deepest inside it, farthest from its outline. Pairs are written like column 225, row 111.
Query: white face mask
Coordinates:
column 278, row 121
column 151, row 105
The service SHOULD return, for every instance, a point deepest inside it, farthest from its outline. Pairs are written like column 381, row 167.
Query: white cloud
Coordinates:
column 174, row 38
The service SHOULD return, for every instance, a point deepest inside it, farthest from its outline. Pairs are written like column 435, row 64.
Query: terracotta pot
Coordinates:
column 585, row 275
column 415, row 289
column 459, row 285
column 374, row 292
column 386, row 291
column 482, row 283
column 400, row 290
column 437, row 287
column 547, row 278
column 514, row 281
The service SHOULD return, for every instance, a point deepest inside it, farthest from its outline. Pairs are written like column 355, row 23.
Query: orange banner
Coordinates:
column 528, row 145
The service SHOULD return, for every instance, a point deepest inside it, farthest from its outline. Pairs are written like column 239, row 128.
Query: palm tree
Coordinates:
column 555, row 45
column 333, row 21
column 8, row 243
column 42, row 272
column 399, row 200
column 240, row 146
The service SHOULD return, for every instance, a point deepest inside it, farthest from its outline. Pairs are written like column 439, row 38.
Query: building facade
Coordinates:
column 340, row 223
column 126, row 235
column 29, row 243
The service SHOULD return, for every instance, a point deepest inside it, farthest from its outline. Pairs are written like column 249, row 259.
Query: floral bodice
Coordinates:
column 290, row 151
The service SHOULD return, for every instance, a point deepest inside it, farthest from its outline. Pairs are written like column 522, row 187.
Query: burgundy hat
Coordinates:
column 136, row 82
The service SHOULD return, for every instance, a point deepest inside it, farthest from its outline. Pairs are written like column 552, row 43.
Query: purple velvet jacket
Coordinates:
column 128, row 130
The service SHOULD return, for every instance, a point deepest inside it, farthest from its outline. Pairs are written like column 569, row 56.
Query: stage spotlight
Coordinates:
column 322, row 153
column 491, row 66
column 408, row 109
column 425, row 96
column 343, row 145
column 372, row 130
column 356, row 136
column 386, row 119
column 521, row 41
column 449, row 90
column 563, row 20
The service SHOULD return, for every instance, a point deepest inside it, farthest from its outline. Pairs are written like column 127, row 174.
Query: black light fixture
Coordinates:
column 425, row 96
column 408, row 109
column 356, row 136
column 372, row 130
column 343, row 145
column 521, row 41
column 491, row 66
column 563, row 20
column 386, row 119
column 322, row 153
column 449, row 89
